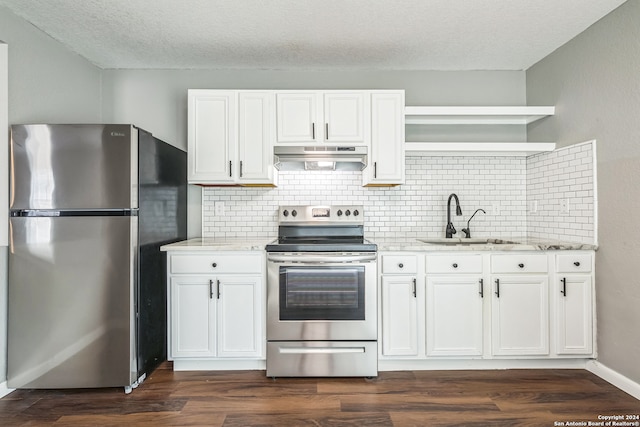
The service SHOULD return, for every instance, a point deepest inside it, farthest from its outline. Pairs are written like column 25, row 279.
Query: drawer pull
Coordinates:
column 214, row 265
column 401, row 265
column 521, row 265
column 454, row 265
column 577, row 263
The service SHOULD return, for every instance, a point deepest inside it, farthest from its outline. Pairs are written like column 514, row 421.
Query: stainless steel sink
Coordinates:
column 470, row 241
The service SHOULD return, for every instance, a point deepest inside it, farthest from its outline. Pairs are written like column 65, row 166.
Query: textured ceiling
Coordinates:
column 313, row 34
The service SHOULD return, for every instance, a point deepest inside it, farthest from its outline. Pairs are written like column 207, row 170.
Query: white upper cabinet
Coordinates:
column 211, row 138
column 387, row 162
column 323, row 117
column 256, row 134
column 230, row 137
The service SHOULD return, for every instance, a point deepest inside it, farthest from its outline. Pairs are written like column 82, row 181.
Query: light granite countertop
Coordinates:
column 213, row 244
column 479, row 244
column 414, row 245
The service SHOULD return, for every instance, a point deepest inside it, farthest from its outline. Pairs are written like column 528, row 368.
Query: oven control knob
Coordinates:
column 339, row 212
column 348, row 212
column 285, row 213
column 356, row 212
column 294, row 213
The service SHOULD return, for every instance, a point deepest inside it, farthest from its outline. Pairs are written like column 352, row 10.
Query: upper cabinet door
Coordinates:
column 344, row 117
column 211, row 135
column 297, row 117
column 386, row 163
column 256, row 133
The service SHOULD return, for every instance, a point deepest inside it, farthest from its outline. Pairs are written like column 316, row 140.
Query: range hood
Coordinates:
column 320, row 158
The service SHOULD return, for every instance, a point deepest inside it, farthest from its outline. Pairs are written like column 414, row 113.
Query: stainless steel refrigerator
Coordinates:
column 90, row 207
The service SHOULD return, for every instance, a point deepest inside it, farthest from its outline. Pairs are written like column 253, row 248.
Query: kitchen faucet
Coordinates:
column 450, row 228
column 467, row 231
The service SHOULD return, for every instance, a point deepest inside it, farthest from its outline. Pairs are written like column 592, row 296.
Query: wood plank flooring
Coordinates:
column 407, row 398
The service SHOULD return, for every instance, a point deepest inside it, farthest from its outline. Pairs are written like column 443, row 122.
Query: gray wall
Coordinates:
column 594, row 81
column 47, row 84
column 157, row 100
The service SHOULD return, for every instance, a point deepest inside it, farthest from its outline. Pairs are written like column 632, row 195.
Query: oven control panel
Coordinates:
column 320, row 214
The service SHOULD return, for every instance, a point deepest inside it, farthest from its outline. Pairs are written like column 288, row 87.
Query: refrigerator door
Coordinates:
column 74, row 167
column 71, row 312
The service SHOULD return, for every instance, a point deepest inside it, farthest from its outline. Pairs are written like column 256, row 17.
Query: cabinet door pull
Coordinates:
column 521, row 265
column 375, row 169
column 218, row 286
column 481, row 281
column 577, row 263
column 240, row 168
column 230, row 169
column 414, row 288
column 313, row 131
column 210, row 289
column 326, row 131
column 564, row 286
column 497, row 288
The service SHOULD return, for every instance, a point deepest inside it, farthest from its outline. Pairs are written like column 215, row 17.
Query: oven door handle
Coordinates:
column 321, row 259
column 320, row 350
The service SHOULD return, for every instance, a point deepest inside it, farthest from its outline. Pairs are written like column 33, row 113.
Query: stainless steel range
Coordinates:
column 321, row 294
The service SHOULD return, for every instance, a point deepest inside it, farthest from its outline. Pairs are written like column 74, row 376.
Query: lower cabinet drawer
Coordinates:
column 215, row 263
column 454, row 263
column 574, row 263
column 519, row 263
column 399, row 264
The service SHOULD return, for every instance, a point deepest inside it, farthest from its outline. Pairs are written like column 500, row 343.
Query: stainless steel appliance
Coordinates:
column 321, row 294
column 90, row 207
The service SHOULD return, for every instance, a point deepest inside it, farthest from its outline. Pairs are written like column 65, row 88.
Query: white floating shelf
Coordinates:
column 478, row 148
column 455, row 115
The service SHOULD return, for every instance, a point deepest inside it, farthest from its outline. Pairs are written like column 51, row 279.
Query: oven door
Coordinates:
column 321, row 297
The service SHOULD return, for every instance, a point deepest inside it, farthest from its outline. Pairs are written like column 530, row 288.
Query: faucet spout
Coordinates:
column 467, row 231
column 450, row 230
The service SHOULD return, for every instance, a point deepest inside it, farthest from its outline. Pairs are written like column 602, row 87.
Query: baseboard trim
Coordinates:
column 617, row 379
column 218, row 364
column 4, row 390
column 478, row 364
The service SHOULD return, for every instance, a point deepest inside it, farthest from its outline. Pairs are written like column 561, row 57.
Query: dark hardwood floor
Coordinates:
column 408, row 398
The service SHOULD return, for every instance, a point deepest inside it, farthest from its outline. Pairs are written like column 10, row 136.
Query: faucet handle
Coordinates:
column 467, row 233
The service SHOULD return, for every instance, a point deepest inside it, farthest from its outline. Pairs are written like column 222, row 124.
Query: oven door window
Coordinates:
column 322, row 293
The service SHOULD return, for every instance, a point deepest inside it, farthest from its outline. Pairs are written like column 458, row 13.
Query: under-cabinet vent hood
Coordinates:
column 320, row 158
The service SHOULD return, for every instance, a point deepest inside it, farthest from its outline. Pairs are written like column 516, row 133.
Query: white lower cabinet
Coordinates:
column 399, row 316
column 401, row 308
column 520, row 315
column 192, row 317
column 503, row 305
column 573, row 293
column 216, row 309
column 454, row 315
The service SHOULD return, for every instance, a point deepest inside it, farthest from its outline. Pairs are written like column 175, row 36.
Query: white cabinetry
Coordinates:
column 401, row 291
column 230, row 137
column 323, row 116
column 520, row 305
column 387, row 160
column 455, row 291
column 216, row 305
column 192, row 317
column 573, row 290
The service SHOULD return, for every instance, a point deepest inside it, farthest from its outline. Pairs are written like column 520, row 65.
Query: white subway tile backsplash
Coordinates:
column 502, row 186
